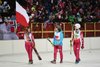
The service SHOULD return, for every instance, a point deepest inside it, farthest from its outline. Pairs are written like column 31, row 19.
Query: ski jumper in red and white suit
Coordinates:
column 78, row 41
column 29, row 45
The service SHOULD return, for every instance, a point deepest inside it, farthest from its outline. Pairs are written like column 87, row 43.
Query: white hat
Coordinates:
column 77, row 25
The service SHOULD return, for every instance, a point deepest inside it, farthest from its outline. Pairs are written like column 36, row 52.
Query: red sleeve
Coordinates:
column 82, row 39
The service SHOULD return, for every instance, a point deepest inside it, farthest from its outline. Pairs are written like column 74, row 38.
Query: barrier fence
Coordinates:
column 40, row 30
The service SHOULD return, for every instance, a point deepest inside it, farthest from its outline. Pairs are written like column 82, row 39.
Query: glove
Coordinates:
column 82, row 47
column 33, row 45
column 70, row 40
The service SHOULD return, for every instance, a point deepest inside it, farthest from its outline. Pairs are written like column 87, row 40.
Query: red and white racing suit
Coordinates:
column 78, row 41
column 29, row 45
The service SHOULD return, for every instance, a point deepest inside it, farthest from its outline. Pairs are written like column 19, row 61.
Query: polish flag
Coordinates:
column 21, row 15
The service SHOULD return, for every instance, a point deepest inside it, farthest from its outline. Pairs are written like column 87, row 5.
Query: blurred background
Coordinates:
column 44, row 14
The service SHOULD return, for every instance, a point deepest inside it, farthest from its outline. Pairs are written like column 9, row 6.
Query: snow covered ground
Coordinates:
column 89, row 58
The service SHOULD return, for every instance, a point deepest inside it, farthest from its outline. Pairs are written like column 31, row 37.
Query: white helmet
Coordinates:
column 77, row 25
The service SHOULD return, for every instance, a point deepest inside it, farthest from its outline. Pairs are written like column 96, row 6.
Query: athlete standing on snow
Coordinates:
column 77, row 40
column 30, row 45
column 57, row 42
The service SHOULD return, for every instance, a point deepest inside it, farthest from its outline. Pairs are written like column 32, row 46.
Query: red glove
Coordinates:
column 82, row 47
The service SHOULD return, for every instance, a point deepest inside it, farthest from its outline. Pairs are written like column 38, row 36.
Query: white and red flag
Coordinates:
column 21, row 15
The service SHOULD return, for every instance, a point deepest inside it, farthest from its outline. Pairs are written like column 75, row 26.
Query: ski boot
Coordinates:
column 53, row 61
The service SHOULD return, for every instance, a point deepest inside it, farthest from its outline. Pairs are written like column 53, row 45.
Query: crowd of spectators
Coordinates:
column 7, row 11
column 64, row 10
column 7, row 20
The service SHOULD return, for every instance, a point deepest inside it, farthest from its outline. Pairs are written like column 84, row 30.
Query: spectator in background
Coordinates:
column 1, row 19
column 5, row 30
column 78, row 18
column 88, row 10
column 4, row 7
column 71, row 18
